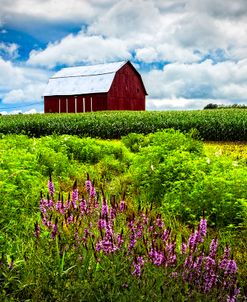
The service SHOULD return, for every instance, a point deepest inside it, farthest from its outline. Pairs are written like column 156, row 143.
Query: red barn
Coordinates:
column 113, row 86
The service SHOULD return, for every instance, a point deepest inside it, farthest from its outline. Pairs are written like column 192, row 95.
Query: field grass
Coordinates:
column 177, row 176
column 215, row 125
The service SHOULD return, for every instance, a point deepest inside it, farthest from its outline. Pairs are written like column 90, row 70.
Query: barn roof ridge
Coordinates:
column 82, row 75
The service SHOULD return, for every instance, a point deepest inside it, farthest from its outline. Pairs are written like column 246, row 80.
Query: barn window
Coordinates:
column 91, row 99
column 59, row 105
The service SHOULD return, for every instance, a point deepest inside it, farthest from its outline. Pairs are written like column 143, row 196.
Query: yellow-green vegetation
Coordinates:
column 235, row 150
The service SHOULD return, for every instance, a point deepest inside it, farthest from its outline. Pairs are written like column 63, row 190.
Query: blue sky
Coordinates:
column 189, row 52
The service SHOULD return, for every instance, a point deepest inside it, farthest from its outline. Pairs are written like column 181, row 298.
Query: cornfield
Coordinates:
column 213, row 125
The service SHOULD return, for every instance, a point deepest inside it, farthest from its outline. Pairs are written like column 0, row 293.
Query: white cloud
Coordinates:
column 27, row 94
column 80, row 48
column 222, row 81
column 30, row 111
column 20, row 85
column 166, row 52
column 53, row 10
column 179, row 104
column 173, row 31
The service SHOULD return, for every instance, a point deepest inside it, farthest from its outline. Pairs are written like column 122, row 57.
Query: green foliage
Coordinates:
column 217, row 125
column 172, row 171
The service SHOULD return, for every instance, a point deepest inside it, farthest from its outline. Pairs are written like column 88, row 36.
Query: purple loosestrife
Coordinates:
column 51, row 187
column 120, row 241
column 194, row 240
column 156, row 257
column 166, row 234
column 106, row 245
column 54, row 230
column 213, row 248
column 132, row 241
column 138, row 265
column 113, row 213
column 224, row 262
column 138, row 230
column 70, row 219
column 43, row 205
column 159, row 222
column 183, row 246
column 233, row 295
column 83, row 206
column 88, row 183
column 92, row 192
column 74, row 198
column 104, row 209
column 144, row 219
column 101, row 224
column 203, row 227
column 60, row 207
column 171, row 253
column 210, row 276
column 231, row 267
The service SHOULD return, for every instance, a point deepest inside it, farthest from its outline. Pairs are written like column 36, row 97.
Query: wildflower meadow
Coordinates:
column 157, row 217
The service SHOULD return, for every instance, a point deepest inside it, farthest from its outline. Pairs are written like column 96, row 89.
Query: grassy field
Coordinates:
column 138, row 236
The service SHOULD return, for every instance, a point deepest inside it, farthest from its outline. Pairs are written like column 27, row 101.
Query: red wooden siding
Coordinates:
column 127, row 91
column 99, row 102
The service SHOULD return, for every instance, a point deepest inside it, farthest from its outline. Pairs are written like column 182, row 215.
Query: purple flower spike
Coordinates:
column 83, row 206
column 233, row 295
column 213, row 248
column 104, row 210
column 54, row 231
column 231, row 267
column 101, row 224
column 183, row 248
column 224, row 262
column 120, row 240
column 157, row 257
column 51, row 187
column 166, row 234
column 88, row 183
column 203, row 227
column 138, row 264
column 75, row 197
column 92, row 192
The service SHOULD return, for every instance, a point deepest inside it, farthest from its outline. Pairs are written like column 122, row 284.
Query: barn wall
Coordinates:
column 50, row 104
column 127, row 91
column 99, row 102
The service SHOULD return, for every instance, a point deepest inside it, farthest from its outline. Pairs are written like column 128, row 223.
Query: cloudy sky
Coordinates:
column 189, row 52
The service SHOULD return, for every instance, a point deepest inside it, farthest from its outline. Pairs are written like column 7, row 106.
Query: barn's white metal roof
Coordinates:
column 83, row 79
